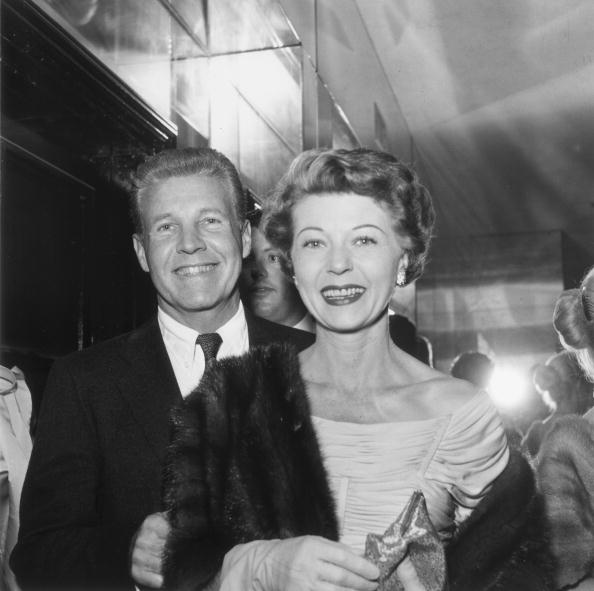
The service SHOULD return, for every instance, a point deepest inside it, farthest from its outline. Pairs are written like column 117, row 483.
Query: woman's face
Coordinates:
column 346, row 256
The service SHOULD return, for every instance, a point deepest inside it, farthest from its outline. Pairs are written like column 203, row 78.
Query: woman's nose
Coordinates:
column 339, row 261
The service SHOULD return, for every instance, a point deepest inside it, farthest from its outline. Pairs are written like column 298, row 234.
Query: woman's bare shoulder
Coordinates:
column 443, row 394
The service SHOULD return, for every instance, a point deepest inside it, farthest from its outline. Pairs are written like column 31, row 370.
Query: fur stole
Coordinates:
column 502, row 546
column 565, row 471
column 244, row 464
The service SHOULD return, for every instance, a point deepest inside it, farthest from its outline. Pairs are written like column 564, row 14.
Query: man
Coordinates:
column 266, row 288
column 90, row 506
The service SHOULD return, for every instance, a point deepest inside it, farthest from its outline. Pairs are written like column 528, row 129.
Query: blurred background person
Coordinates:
column 565, row 459
column 266, row 288
column 15, row 451
column 475, row 367
column 564, row 390
column 478, row 369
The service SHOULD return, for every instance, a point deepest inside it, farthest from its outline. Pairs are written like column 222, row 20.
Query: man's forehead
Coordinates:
column 201, row 186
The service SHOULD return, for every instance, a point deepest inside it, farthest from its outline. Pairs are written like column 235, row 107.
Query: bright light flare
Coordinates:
column 509, row 387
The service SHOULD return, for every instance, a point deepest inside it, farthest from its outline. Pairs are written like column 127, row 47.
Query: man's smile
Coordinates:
column 194, row 270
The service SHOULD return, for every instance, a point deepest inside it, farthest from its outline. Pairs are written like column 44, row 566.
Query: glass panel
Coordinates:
column 342, row 134
column 191, row 92
column 270, row 81
column 224, row 123
column 263, row 156
column 132, row 38
column 249, row 24
column 193, row 13
column 256, row 112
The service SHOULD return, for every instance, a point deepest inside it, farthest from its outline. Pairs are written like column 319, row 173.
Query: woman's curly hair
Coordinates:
column 374, row 174
column 573, row 320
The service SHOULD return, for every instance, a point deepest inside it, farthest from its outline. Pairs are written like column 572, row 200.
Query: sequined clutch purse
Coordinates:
column 414, row 535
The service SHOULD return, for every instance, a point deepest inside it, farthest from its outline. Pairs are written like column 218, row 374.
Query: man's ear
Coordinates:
column 246, row 238
column 140, row 252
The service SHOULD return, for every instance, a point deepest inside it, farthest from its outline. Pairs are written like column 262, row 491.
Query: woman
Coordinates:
column 281, row 466
column 565, row 460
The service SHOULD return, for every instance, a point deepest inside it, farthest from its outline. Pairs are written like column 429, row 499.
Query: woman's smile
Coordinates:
column 336, row 295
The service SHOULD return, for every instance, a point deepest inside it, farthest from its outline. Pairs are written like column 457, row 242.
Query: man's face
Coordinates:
column 272, row 295
column 192, row 245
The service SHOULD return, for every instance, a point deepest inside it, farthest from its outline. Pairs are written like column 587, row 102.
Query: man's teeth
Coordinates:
column 195, row 270
column 343, row 293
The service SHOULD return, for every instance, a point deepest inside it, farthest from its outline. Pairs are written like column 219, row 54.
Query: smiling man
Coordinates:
column 90, row 506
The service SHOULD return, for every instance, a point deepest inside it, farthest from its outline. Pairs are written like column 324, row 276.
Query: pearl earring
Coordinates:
column 401, row 278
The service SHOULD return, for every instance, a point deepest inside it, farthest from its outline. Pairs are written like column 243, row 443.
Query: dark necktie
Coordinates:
column 210, row 343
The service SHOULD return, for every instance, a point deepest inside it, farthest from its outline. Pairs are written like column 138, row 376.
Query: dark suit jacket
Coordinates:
column 95, row 471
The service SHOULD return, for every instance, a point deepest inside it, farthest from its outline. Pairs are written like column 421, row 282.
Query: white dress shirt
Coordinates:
column 187, row 358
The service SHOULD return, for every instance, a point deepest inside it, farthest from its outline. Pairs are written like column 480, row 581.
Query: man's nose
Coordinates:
column 190, row 240
column 257, row 271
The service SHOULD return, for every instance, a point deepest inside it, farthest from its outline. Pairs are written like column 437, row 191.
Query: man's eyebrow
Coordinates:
column 160, row 217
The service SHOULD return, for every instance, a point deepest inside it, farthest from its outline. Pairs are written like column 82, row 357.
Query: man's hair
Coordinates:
column 185, row 162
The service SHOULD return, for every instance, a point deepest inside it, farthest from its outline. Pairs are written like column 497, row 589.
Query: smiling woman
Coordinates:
column 305, row 456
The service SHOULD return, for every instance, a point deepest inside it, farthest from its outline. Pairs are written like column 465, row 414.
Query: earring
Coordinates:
column 401, row 278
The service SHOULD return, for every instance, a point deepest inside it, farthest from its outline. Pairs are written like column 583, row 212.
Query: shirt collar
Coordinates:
column 182, row 338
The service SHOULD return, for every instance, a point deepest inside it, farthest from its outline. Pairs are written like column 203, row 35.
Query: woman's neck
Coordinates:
column 349, row 360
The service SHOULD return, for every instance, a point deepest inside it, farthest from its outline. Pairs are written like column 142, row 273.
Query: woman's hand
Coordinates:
column 408, row 576
column 311, row 563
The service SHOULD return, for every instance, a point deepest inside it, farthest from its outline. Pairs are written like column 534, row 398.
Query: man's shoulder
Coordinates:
column 263, row 331
column 108, row 353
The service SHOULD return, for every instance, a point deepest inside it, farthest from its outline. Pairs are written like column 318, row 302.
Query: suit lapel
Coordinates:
column 150, row 385
column 257, row 333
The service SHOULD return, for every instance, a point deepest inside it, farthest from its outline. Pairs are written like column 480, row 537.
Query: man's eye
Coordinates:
column 211, row 221
column 164, row 227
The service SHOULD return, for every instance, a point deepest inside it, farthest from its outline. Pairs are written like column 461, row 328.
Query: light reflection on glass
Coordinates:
column 248, row 25
column 263, row 156
column 256, row 112
column 192, row 12
column 191, row 92
column 235, row 78
column 132, row 38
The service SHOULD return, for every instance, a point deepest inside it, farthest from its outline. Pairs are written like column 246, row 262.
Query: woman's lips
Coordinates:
column 342, row 295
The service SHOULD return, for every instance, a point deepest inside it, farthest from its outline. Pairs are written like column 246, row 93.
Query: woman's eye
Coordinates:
column 312, row 243
column 274, row 258
column 365, row 240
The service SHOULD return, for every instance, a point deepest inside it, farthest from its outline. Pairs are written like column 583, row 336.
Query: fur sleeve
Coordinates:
column 565, row 471
column 194, row 551
column 502, row 545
